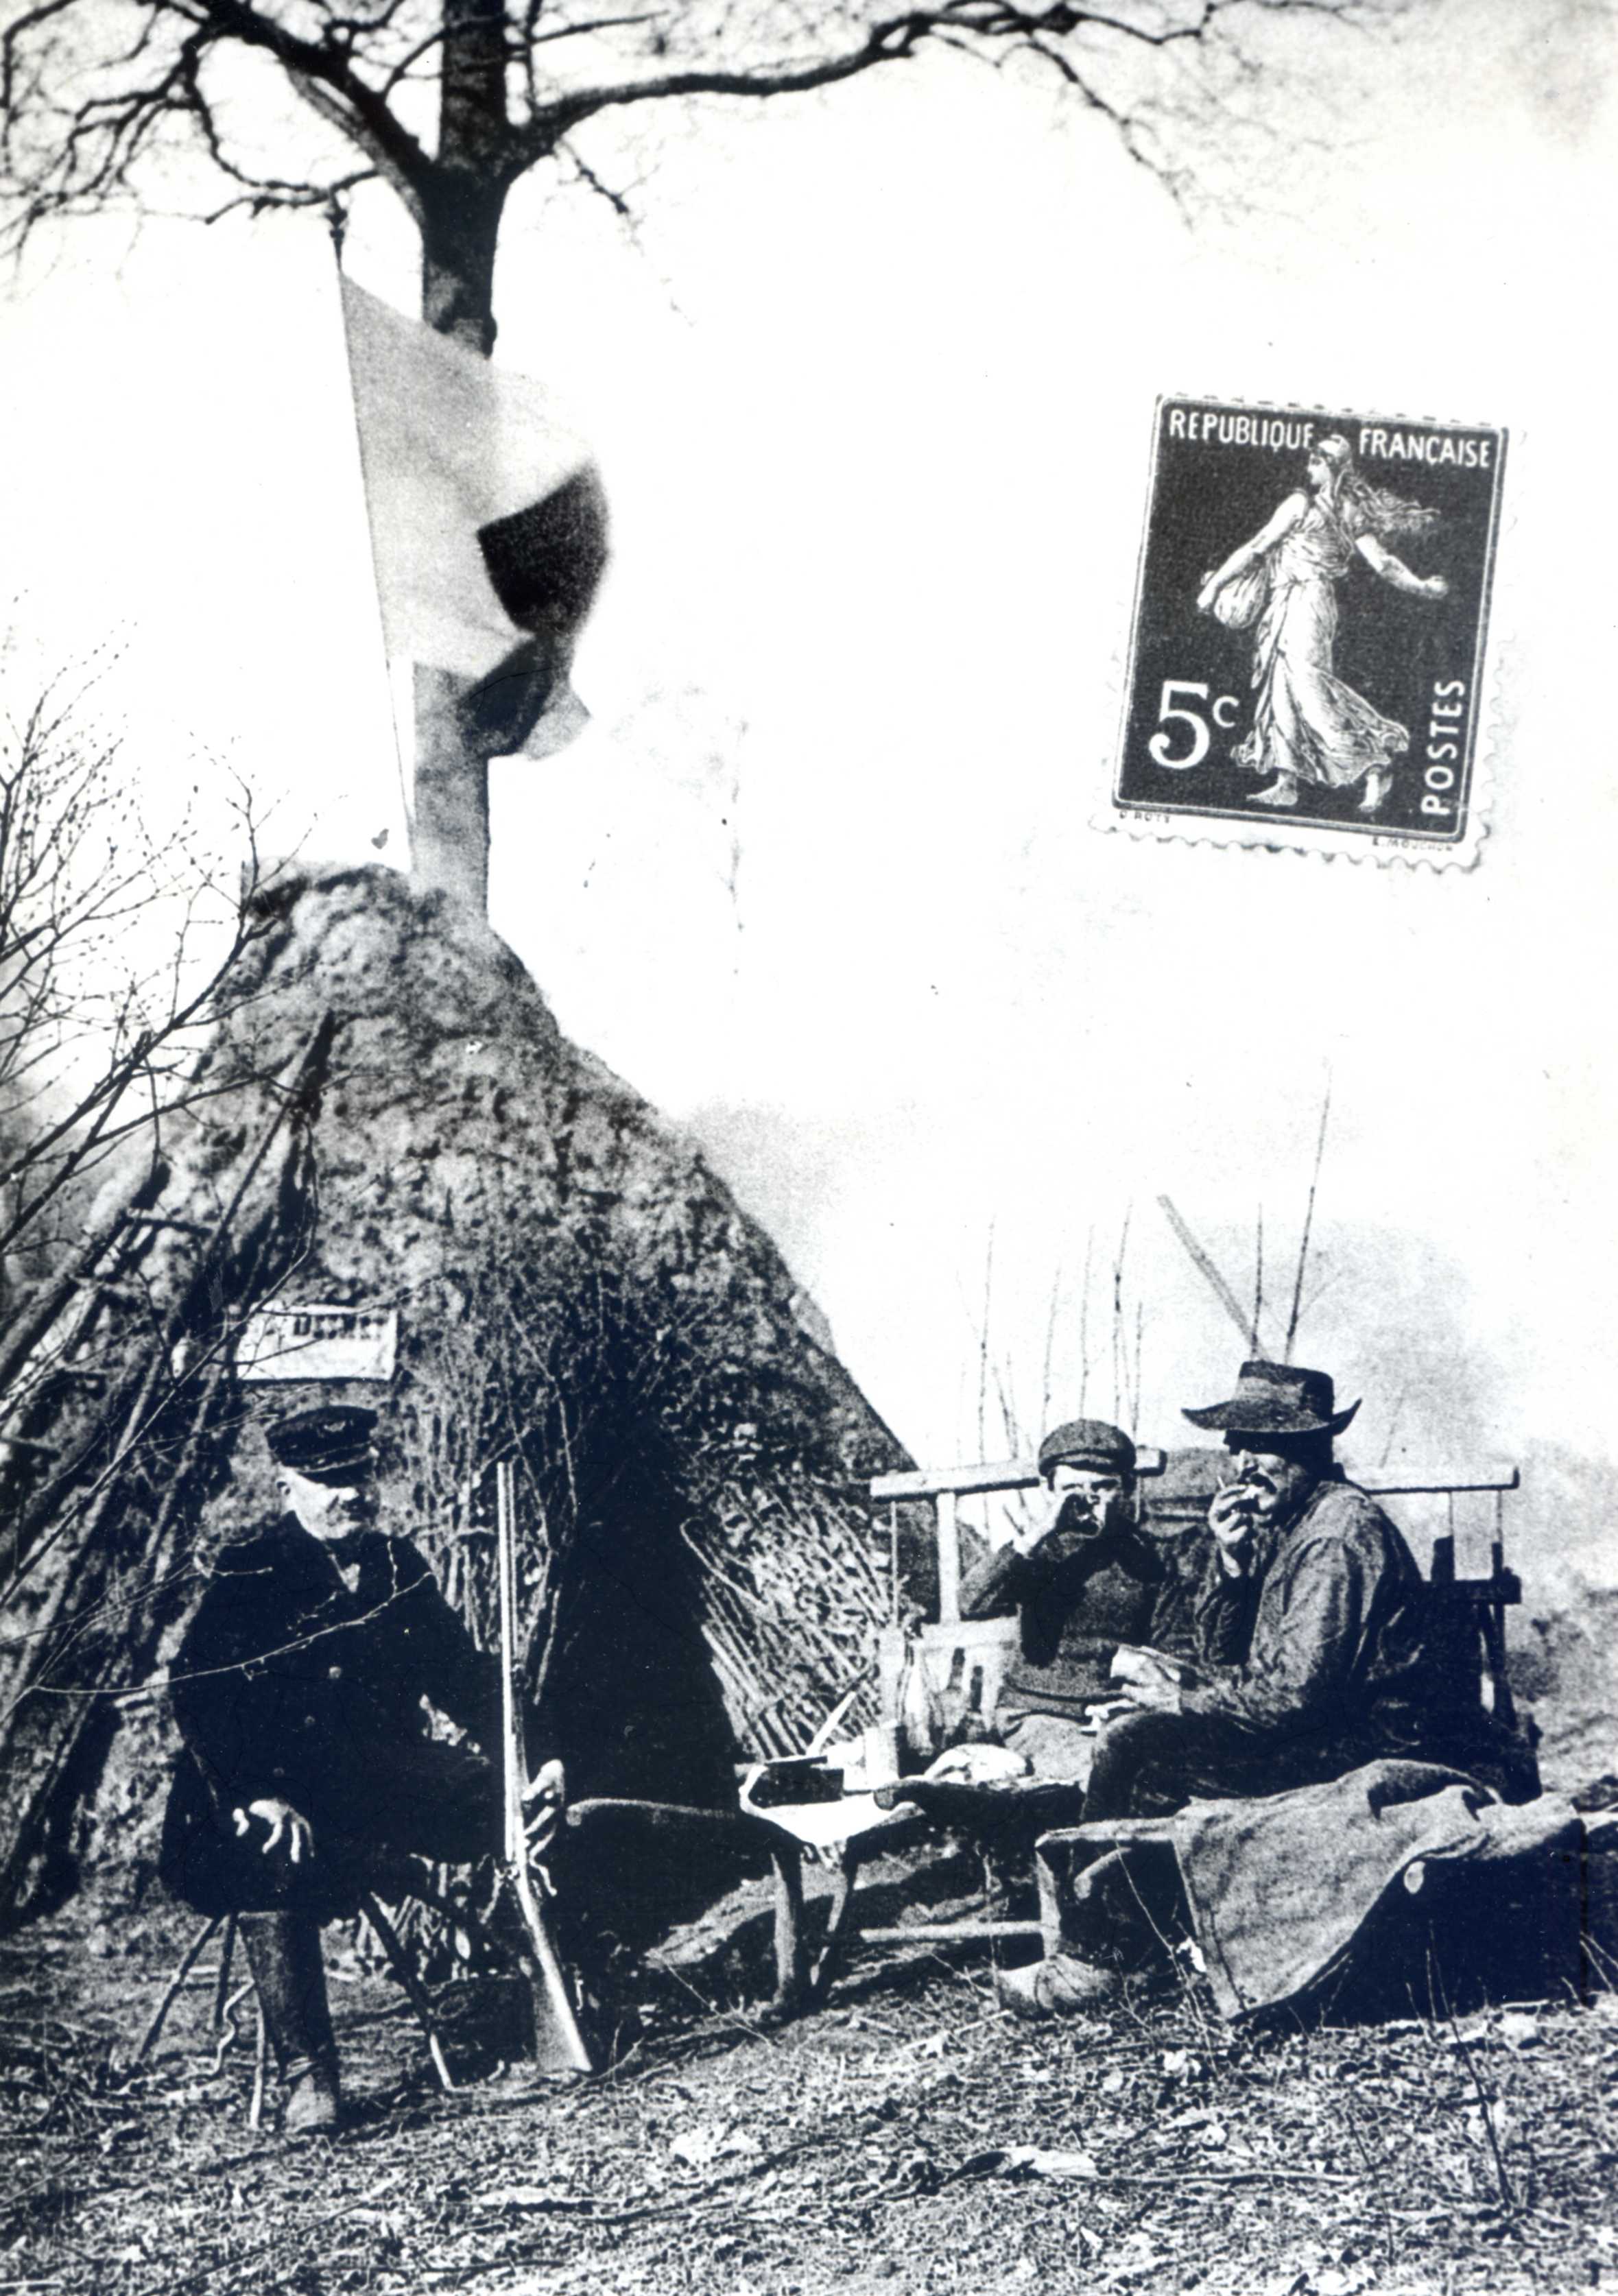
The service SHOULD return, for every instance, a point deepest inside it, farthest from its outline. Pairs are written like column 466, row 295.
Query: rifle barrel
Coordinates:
column 557, row 2038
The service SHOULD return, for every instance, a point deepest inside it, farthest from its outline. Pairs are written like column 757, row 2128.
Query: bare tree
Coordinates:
column 452, row 104
column 117, row 943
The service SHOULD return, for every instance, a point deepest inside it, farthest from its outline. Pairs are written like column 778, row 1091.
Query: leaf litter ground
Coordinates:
column 911, row 2138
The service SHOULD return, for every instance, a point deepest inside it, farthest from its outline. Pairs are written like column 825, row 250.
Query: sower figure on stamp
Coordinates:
column 1314, row 1656
column 1308, row 725
column 1083, row 1579
column 307, row 1768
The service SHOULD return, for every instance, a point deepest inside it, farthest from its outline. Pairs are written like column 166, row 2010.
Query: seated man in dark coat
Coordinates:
column 307, row 1766
column 1313, row 1652
column 1083, row 1579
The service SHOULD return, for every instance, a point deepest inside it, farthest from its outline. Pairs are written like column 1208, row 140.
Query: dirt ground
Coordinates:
column 911, row 2138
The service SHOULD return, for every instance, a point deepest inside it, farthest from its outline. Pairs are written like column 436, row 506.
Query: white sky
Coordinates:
column 874, row 403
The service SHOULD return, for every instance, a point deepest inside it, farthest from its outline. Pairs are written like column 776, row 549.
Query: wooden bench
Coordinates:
column 1472, row 1609
column 1468, row 1628
column 966, row 1657
column 965, row 1660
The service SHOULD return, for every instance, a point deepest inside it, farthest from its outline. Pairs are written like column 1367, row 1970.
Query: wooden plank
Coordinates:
column 926, row 1483
column 721, row 1827
column 1102, row 1829
column 1497, row 1479
column 947, row 1932
column 994, row 1475
column 1022, row 1474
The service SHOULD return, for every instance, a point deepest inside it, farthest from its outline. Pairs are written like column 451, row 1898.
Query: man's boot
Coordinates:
column 284, row 1954
column 1096, row 1926
column 1062, row 1985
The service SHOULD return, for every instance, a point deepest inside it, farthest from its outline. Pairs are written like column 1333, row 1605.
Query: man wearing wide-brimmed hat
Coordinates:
column 1312, row 1656
column 1310, row 1626
column 1083, row 1579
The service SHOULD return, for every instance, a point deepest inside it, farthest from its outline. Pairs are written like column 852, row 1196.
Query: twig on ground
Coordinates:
column 1485, row 2112
column 1254, row 2175
column 1373, row 2178
column 724, row 2016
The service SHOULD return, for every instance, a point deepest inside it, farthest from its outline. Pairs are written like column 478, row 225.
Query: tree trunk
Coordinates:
column 460, row 232
column 460, row 227
column 449, row 840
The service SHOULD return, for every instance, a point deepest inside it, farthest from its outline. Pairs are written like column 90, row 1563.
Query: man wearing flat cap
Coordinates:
column 1083, row 1579
column 1312, row 1653
column 298, row 1691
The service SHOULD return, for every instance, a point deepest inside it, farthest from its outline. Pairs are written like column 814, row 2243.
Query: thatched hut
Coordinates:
column 387, row 1118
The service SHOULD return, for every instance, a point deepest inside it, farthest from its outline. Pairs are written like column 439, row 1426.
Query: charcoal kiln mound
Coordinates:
column 389, row 1120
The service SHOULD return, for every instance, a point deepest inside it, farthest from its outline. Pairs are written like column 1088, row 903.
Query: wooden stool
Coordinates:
column 387, row 1936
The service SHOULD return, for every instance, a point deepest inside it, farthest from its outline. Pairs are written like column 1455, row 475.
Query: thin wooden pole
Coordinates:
column 1205, row 1268
column 414, row 1990
column 171, row 1991
column 1309, row 1222
column 949, row 1560
column 221, row 1992
column 255, row 2108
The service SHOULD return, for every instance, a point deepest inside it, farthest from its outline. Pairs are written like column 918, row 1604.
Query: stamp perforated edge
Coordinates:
column 1324, row 841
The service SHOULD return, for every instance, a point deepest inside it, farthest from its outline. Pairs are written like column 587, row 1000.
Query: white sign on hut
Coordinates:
column 317, row 1342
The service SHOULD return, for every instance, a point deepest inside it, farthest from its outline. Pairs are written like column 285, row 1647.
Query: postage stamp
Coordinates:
column 1307, row 654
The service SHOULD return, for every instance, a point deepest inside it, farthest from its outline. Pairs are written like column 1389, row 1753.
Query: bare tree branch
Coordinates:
column 116, row 947
column 1120, row 1348
column 616, row 201
column 1205, row 1268
column 89, row 111
column 1258, row 1280
column 97, row 116
column 1309, row 1221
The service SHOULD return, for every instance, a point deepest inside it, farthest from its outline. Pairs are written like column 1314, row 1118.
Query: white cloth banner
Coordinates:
column 487, row 523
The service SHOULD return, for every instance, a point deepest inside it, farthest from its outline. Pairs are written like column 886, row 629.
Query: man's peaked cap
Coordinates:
column 330, row 1443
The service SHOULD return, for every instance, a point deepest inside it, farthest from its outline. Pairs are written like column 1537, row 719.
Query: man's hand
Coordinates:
column 1034, row 1533
column 1082, row 1512
column 548, row 1784
column 1148, row 1678
column 1230, row 1519
column 543, row 1797
column 287, row 1829
column 1161, row 1696
column 978, row 1765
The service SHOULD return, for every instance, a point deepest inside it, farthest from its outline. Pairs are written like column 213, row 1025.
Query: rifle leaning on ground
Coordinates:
column 559, row 2046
